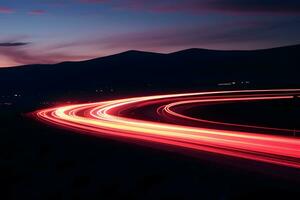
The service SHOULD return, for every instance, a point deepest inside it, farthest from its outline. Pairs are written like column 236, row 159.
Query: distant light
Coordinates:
column 225, row 84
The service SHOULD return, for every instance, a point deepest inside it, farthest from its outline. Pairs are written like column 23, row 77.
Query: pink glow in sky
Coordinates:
column 54, row 31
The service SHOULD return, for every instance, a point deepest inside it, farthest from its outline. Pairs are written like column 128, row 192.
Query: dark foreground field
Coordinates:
column 41, row 162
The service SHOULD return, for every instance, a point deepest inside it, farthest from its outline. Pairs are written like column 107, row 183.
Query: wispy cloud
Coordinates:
column 231, row 35
column 23, row 56
column 6, row 10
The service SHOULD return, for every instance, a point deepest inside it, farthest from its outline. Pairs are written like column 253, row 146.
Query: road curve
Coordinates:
column 159, row 119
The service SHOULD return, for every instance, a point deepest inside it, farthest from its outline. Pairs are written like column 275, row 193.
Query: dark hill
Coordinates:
column 189, row 69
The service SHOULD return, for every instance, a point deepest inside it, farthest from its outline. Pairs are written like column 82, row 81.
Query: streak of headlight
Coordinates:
column 103, row 118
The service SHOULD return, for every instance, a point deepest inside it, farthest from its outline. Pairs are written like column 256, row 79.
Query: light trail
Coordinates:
column 118, row 119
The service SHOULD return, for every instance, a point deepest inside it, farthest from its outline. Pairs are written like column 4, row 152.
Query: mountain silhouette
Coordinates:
column 189, row 69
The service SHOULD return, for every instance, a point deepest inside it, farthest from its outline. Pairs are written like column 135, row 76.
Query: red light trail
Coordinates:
column 155, row 119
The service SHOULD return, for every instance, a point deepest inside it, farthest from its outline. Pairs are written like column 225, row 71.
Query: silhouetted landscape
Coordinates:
column 42, row 162
column 140, row 72
column 149, row 100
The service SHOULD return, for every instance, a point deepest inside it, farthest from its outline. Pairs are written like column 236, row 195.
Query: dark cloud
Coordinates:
column 274, row 6
column 20, row 53
column 200, row 6
column 13, row 44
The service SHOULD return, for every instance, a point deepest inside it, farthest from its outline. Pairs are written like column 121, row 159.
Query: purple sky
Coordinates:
column 51, row 31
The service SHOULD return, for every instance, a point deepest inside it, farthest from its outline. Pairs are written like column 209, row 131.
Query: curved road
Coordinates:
column 160, row 119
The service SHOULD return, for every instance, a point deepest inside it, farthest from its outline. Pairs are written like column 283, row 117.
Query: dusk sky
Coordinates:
column 51, row 31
